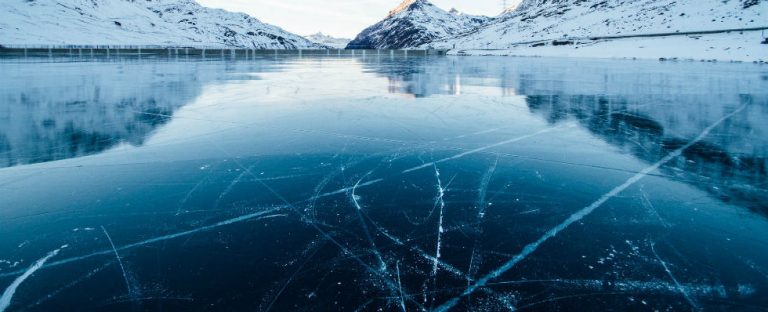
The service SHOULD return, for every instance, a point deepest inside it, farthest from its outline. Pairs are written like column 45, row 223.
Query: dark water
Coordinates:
column 378, row 183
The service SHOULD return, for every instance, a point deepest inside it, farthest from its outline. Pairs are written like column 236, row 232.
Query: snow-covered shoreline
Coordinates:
column 736, row 47
column 660, row 29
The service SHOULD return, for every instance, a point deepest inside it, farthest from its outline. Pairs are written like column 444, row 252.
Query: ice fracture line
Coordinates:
column 5, row 300
column 581, row 214
column 119, row 261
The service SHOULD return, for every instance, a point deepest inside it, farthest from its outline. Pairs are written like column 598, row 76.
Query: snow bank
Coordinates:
column 742, row 47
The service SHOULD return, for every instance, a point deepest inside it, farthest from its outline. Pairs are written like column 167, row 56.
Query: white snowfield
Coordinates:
column 739, row 47
column 140, row 22
column 531, row 28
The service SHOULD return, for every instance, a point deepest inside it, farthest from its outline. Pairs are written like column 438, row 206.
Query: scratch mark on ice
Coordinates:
column 344, row 249
column 192, row 191
column 480, row 149
column 382, row 264
column 652, row 209
column 481, row 203
column 445, row 266
column 400, row 287
column 581, row 214
column 120, row 262
column 346, row 189
column 440, row 230
column 253, row 216
column 390, row 284
column 231, row 186
column 674, row 279
column 319, row 188
column 5, row 300
column 290, row 279
column 70, row 285
column 441, row 202
column 364, row 305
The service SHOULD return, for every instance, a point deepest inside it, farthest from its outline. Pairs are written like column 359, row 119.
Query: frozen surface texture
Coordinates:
column 364, row 183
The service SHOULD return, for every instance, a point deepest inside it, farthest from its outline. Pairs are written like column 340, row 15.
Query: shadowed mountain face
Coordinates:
column 414, row 23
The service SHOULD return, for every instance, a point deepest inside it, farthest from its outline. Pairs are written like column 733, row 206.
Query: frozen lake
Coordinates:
column 354, row 183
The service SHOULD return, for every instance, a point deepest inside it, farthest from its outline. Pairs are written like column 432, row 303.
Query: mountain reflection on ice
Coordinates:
column 382, row 183
column 76, row 109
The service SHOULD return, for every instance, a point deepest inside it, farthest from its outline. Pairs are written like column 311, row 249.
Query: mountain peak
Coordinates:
column 415, row 23
column 409, row 5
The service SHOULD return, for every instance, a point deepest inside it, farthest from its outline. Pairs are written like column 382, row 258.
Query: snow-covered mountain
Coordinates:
column 414, row 23
column 541, row 20
column 326, row 40
column 137, row 22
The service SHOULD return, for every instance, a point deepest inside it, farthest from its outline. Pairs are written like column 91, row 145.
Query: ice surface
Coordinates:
column 5, row 300
column 382, row 183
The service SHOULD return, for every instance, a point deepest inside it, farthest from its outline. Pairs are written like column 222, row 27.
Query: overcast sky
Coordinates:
column 340, row 18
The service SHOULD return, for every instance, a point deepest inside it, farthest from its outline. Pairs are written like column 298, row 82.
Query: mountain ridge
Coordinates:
column 150, row 22
column 659, row 29
column 328, row 40
column 552, row 19
column 414, row 23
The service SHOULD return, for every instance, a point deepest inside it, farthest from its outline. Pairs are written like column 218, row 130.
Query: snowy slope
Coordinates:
column 326, row 40
column 129, row 22
column 547, row 20
column 413, row 23
column 742, row 47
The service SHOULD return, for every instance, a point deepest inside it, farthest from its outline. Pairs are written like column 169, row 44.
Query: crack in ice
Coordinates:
column 70, row 285
column 581, row 214
column 358, row 211
column 483, row 190
column 481, row 208
column 400, row 287
column 254, row 216
column 341, row 247
column 120, row 262
column 230, row 187
column 440, row 230
column 480, row 149
column 674, row 279
column 290, row 279
column 441, row 202
column 5, row 300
